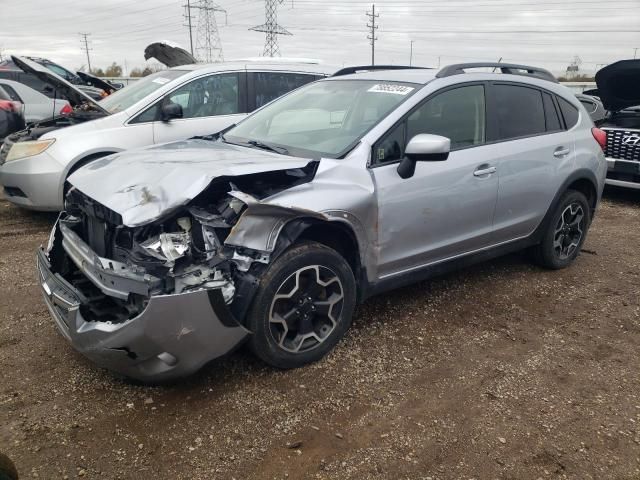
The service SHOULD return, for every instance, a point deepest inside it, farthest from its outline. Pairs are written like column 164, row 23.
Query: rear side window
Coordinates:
column 569, row 112
column 551, row 114
column 520, row 111
column 268, row 86
column 11, row 91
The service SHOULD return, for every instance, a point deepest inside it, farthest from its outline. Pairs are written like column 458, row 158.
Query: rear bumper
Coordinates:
column 625, row 180
column 174, row 336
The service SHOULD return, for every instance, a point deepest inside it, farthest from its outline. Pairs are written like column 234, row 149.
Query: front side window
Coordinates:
column 132, row 94
column 207, row 96
column 203, row 97
column 271, row 85
column 520, row 111
column 458, row 114
column 323, row 118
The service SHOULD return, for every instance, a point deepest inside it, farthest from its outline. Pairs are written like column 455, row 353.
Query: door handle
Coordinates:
column 561, row 152
column 484, row 171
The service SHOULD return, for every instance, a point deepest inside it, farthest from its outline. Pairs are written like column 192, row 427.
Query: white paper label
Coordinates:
column 161, row 80
column 391, row 88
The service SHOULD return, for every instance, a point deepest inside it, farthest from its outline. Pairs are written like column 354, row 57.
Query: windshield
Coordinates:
column 323, row 118
column 131, row 94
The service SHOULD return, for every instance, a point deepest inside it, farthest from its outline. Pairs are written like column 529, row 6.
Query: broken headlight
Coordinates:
column 168, row 246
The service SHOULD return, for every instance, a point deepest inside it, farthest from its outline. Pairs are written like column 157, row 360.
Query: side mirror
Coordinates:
column 171, row 111
column 423, row 147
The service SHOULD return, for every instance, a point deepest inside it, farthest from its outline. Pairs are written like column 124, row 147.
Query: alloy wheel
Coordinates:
column 306, row 308
column 569, row 231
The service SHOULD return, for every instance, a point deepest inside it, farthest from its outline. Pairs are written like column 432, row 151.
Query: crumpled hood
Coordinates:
column 619, row 85
column 143, row 185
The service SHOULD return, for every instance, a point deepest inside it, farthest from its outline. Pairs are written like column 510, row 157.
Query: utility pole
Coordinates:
column 372, row 36
column 411, row 55
column 635, row 52
column 208, row 44
column 86, row 48
column 187, row 15
column 271, row 28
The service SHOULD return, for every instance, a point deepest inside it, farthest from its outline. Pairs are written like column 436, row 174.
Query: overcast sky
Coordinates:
column 547, row 33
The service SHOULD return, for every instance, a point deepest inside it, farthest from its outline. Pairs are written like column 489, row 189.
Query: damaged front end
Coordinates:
column 158, row 301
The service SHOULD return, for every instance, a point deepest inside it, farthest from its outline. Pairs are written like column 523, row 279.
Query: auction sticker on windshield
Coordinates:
column 391, row 88
column 161, row 80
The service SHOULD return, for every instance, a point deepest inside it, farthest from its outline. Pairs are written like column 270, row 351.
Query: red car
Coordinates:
column 11, row 115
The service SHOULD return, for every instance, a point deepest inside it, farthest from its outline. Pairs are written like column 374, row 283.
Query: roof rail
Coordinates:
column 371, row 68
column 508, row 68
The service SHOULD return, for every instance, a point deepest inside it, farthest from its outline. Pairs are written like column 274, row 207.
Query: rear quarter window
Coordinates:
column 551, row 114
column 569, row 112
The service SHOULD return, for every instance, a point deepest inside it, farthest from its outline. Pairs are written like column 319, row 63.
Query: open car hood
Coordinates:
column 169, row 54
column 96, row 82
column 145, row 184
column 619, row 85
column 76, row 97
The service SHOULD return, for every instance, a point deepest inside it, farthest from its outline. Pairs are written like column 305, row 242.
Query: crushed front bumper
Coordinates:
column 172, row 337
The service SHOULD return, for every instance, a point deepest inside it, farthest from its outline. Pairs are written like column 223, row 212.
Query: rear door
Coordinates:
column 532, row 150
column 209, row 104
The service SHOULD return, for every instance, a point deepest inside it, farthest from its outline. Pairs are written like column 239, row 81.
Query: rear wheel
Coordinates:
column 565, row 233
column 303, row 306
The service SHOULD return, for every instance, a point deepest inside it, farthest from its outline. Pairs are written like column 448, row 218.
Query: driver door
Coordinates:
column 446, row 208
column 209, row 104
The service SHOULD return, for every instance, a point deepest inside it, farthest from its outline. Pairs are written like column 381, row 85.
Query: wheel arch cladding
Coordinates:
column 335, row 234
column 587, row 188
column 581, row 180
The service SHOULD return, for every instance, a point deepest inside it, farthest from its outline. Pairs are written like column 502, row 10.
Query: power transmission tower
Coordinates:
column 372, row 35
column 208, row 45
column 271, row 28
column 187, row 16
column 86, row 48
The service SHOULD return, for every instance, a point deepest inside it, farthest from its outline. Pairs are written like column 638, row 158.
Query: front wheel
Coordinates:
column 565, row 233
column 303, row 306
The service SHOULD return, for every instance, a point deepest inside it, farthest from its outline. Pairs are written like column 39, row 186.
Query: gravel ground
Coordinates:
column 503, row 370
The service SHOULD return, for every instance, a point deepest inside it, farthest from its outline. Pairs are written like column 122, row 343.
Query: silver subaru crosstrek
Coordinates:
column 272, row 231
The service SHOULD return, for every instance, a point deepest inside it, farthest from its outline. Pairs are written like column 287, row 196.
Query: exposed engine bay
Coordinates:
column 183, row 251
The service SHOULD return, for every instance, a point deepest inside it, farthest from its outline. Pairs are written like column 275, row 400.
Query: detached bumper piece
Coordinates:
column 172, row 337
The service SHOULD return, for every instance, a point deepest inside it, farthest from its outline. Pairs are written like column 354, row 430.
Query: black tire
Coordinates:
column 560, row 243
column 293, row 274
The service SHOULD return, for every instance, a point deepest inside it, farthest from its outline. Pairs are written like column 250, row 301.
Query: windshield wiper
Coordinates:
column 271, row 148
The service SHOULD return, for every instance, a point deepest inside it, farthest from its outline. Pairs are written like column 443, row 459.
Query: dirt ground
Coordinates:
column 503, row 370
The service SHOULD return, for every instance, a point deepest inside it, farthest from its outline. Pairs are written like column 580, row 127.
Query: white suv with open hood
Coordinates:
column 174, row 104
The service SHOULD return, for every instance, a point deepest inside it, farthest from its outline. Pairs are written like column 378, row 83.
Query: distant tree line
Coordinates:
column 115, row 70
column 582, row 77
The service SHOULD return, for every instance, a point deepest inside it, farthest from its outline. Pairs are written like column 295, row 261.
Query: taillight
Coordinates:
column 6, row 105
column 600, row 136
column 66, row 110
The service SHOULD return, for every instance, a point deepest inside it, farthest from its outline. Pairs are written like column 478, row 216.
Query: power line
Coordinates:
column 188, row 15
column 372, row 35
column 208, row 44
column 86, row 48
column 271, row 28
